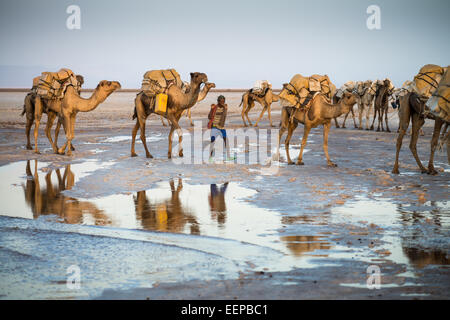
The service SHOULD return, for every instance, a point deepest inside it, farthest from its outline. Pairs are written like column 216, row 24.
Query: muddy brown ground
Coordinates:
column 330, row 223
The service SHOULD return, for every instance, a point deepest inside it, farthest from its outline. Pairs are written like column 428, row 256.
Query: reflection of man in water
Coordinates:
column 217, row 202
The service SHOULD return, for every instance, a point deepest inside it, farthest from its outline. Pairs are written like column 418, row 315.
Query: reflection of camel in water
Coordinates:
column 168, row 215
column 217, row 203
column 299, row 245
column 421, row 258
column 49, row 199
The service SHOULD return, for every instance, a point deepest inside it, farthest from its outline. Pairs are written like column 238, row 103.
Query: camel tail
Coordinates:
column 23, row 111
column 134, row 113
column 242, row 101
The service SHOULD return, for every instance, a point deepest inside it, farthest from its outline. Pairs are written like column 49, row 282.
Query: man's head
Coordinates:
column 221, row 100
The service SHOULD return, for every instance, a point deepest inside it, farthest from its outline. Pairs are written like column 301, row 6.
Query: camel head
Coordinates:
column 80, row 80
column 108, row 86
column 198, row 78
column 210, row 85
column 348, row 99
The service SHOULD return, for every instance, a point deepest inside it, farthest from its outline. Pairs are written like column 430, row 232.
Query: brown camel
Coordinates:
column 321, row 112
column 336, row 100
column 177, row 103
column 381, row 105
column 248, row 102
column 67, row 109
column 29, row 108
column 208, row 86
column 412, row 108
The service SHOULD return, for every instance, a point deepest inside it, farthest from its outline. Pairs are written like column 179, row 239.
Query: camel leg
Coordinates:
column 260, row 116
column 369, row 109
column 143, row 139
column 374, row 117
column 386, row 119
column 162, row 120
column 326, row 130
column 189, row 116
column 71, row 134
column 67, row 127
column 251, row 104
column 404, row 118
column 291, row 129
column 284, row 122
column 336, row 123
column 58, row 127
column 305, row 138
column 38, row 110
column 354, row 119
column 360, row 116
column 51, row 116
column 169, row 154
column 345, row 119
column 270, row 116
column 133, row 138
column 434, row 141
column 417, row 123
column 180, row 139
column 30, row 120
column 243, row 115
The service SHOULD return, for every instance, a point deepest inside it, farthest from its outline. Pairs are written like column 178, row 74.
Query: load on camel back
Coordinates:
column 300, row 90
column 52, row 85
column 156, row 83
column 426, row 81
column 439, row 103
column 260, row 87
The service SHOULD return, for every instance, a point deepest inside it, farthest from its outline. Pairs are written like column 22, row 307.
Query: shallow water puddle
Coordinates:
column 173, row 206
column 404, row 227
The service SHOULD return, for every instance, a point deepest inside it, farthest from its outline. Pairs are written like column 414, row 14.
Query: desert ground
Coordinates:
column 139, row 228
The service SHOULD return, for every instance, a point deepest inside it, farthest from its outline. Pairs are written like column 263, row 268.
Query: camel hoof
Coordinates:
column 169, row 156
column 301, row 163
column 388, row 130
column 134, row 154
column 344, row 127
column 37, row 152
column 332, row 164
column 180, row 154
column 360, row 128
column 192, row 124
column 431, row 171
column 72, row 148
column 395, row 171
column 290, row 162
column 273, row 126
column 149, row 156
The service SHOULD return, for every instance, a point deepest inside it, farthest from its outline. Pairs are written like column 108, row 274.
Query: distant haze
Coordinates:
column 233, row 42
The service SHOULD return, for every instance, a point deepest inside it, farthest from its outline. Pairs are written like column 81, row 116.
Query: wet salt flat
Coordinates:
column 206, row 214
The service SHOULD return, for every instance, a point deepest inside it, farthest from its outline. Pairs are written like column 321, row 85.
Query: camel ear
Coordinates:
column 192, row 74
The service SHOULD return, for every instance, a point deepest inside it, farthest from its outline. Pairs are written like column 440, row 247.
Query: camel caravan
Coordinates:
column 308, row 100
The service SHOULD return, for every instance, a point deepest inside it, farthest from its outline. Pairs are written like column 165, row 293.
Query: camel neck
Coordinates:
column 87, row 104
column 192, row 96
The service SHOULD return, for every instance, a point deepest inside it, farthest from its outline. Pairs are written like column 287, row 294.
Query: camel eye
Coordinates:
column 109, row 83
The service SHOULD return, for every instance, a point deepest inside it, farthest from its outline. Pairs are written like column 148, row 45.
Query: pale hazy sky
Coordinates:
column 233, row 42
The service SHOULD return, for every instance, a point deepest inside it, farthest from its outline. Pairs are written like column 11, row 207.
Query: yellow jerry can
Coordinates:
column 161, row 103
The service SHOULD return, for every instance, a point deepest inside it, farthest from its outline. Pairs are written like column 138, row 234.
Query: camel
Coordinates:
column 177, row 103
column 208, row 86
column 381, row 105
column 29, row 108
column 248, row 102
column 320, row 112
column 412, row 108
column 366, row 92
column 336, row 100
column 67, row 109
